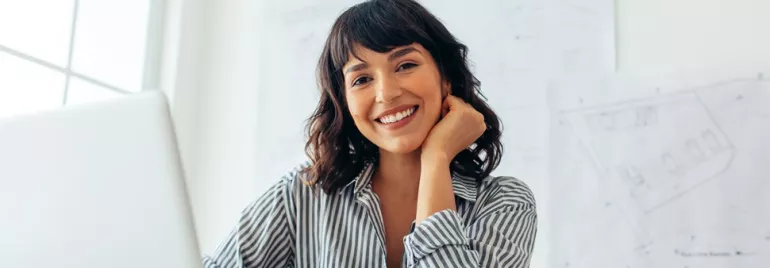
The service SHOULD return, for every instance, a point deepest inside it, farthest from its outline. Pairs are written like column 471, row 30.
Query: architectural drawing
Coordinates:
column 685, row 171
column 659, row 148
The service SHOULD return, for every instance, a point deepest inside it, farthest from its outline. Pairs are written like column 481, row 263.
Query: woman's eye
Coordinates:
column 406, row 66
column 361, row 80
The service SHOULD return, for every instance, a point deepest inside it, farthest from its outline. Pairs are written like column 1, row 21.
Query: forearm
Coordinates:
column 435, row 192
column 501, row 235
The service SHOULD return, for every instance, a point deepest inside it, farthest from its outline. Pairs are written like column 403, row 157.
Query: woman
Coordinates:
column 401, row 148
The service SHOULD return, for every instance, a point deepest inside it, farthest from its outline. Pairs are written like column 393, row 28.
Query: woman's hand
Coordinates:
column 459, row 127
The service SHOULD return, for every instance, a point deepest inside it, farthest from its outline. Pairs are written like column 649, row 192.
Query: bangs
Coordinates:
column 377, row 25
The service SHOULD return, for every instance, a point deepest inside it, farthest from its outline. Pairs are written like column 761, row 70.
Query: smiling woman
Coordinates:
column 402, row 145
column 396, row 41
column 406, row 79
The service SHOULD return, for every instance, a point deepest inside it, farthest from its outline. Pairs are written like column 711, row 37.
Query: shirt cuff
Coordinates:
column 443, row 228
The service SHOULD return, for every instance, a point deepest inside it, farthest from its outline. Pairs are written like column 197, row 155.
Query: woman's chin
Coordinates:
column 403, row 146
column 401, row 150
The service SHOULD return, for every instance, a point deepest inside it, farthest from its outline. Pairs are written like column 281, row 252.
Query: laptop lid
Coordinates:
column 97, row 185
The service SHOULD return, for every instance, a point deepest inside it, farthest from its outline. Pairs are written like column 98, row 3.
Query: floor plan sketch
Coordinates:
column 679, row 179
column 670, row 145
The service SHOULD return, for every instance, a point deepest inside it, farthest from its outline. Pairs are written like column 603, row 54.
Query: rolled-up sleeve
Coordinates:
column 501, row 233
column 263, row 236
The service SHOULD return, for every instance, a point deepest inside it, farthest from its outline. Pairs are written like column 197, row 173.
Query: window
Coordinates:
column 60, row 52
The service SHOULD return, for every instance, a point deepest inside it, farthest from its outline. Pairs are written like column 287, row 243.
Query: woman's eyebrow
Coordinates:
column 402, row 52
column 355, row 68
column 393, row 56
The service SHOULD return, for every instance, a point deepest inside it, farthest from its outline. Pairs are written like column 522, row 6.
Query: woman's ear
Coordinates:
column 446, row 89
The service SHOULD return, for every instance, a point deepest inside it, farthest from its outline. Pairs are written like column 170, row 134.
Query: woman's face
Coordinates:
column 394, row 97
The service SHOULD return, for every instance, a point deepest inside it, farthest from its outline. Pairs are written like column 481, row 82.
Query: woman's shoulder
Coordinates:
column 507, row 188
column 294, row 181
column 276, row 206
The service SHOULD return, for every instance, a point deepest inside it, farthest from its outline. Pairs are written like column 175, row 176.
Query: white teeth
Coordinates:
column 397, row 116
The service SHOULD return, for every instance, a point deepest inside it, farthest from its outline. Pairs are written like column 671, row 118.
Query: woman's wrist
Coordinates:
column 434, row 159
column 435, row 192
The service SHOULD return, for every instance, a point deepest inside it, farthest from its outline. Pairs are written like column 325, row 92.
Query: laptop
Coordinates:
column 95, row 185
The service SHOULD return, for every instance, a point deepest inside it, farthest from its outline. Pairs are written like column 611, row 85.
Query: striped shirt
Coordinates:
column 292, row 225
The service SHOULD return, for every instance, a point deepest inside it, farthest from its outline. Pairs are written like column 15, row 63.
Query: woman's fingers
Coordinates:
column 452, row 102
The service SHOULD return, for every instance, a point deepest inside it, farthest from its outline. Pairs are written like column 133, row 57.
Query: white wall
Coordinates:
column 665, row 36
column 223, row 79
column 211, row 72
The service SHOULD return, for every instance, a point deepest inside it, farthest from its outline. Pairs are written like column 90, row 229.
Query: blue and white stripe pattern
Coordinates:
column 292, row 225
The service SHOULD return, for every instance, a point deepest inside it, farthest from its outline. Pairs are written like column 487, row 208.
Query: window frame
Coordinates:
column 152, row 53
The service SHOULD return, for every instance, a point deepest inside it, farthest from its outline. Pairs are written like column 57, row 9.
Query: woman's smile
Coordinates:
column 397, row 118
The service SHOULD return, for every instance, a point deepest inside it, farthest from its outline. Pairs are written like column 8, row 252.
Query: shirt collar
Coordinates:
column 464, row 187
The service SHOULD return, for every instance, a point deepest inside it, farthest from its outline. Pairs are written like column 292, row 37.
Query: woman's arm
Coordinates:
column 502, row 230
column 435, row 191
column 501, row 234
column 261, row 238
column 459, row 127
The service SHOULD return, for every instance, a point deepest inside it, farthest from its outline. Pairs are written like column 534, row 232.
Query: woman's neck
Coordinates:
column 398, row 173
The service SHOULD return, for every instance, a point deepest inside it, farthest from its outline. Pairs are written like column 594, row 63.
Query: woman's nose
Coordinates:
column 387, row 89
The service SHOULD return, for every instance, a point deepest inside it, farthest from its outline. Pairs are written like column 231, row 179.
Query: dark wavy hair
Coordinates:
column 337, row 150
